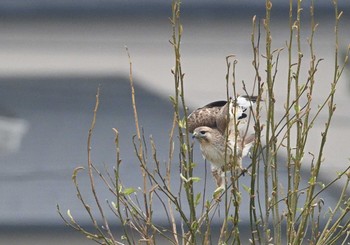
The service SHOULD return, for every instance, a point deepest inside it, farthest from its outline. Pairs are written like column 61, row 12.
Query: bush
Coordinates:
column 293, row 213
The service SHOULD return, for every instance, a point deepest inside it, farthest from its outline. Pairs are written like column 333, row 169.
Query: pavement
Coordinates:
column 51, row 65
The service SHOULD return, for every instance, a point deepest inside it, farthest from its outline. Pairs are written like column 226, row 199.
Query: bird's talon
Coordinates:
column 243, row 171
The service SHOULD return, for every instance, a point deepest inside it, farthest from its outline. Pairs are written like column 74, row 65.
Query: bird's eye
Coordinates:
column 202, row 132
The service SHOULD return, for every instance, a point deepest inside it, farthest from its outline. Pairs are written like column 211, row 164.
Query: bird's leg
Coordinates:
column 235, row 165
column 220, row 180
column 219, row 177
column 238, row 167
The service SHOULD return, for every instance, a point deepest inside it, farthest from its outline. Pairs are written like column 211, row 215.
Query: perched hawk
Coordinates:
column 212, row 124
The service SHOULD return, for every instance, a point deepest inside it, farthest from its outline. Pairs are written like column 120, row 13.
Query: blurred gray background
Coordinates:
column 54, row 55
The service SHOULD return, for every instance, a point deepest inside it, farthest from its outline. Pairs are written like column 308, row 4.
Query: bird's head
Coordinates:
column 203, row 134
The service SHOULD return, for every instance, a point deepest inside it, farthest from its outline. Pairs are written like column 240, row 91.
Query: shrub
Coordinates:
column 292, row 213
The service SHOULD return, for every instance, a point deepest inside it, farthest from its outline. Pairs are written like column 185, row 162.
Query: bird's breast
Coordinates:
column 214, row 155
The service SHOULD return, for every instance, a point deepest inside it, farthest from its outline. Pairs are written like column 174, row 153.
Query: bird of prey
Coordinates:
column 222, row 127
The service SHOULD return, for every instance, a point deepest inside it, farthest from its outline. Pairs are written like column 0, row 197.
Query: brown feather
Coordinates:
column 205, row 116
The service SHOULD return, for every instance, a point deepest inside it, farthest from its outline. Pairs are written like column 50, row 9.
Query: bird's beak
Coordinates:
column 194, row 135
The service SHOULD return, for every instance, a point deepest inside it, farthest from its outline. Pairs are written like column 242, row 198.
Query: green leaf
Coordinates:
column 198, row 198
column 172, row 99
column 218, row 192
column 247, row 189
column 184, row 147
column 180, row 29
column 114, row 205
column 297, row 108
column 195, row 179
column 129, row 191
column 207, row 204
column 301, row 88
column 231, row 219
column 312, row 180
column 182, row 123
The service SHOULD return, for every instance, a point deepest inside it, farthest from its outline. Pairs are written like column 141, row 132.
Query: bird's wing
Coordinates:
column 245, row 101
column 222, row 118
column 205, row 116
column 247, row 143
column 215, row 114
column 240, row 131
column 234, row 111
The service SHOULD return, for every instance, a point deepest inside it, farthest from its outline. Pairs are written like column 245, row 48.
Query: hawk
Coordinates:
column 222, row 131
